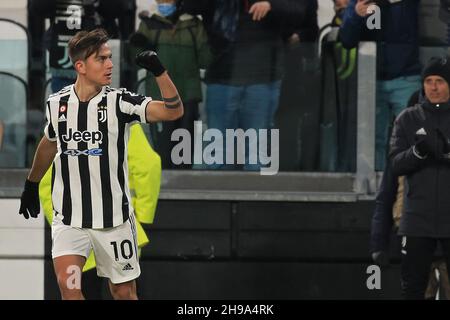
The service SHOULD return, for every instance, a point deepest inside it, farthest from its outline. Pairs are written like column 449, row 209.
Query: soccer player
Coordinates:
column 86, row 138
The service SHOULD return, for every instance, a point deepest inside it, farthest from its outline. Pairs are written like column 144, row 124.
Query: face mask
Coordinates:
column 166, row 9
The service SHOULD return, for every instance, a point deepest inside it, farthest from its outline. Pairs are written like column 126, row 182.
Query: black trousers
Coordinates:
column 417, row 256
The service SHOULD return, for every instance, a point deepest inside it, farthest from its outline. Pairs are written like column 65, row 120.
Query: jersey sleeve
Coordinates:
column 49, row 130
column 133, row 107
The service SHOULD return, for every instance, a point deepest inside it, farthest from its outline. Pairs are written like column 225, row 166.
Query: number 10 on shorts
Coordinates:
column 126, row 249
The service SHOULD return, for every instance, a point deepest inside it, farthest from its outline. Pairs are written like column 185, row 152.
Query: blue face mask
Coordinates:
column 166, row 9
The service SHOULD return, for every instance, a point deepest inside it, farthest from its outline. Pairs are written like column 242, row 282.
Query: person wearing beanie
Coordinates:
column 420, row 151
column 437, row 66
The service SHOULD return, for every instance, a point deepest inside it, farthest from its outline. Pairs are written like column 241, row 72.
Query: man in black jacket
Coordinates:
column 420, row 150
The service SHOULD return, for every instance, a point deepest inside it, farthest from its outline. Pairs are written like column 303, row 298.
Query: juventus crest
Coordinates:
column 102, row 113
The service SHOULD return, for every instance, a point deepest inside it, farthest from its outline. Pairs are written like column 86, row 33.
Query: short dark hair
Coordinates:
column 85, row 43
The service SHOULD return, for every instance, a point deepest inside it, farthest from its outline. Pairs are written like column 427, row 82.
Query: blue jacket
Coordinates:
column 398, row 39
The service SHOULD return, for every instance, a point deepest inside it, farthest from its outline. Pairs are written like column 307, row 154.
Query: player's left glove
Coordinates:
column 149, row 60
column 29, row 201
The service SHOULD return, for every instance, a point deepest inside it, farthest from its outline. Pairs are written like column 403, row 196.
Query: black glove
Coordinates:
column 381, row 258
column 149, row 60
column 29, row 201
column 426, row 144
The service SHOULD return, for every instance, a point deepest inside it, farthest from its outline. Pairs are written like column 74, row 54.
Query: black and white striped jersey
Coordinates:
column 90, row 170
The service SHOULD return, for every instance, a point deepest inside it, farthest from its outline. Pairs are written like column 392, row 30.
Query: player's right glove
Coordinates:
column 29, row 201
column 149, row 60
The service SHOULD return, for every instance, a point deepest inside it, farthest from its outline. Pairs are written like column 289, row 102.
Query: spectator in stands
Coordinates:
column 420, row 150
column 398, row 57
column 182, row 45
column 244, row 78
column 307, row 29
column 67, row 17
column 444, row 16
column 300, row 82
column 339, row 9
column 338, row 109
column 58, row 35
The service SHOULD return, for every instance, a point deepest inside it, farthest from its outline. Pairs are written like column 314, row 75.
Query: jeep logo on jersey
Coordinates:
column 85, row 136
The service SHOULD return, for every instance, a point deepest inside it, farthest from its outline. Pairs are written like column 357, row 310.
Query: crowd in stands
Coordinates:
column 260, row 68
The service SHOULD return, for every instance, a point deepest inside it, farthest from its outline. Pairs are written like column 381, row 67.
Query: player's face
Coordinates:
column 436, row 89
column 99, row 66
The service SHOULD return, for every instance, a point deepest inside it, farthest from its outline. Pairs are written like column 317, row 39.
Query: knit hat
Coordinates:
column 437, row 66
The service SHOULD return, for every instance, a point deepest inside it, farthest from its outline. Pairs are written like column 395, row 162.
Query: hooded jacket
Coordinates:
column 183, row 48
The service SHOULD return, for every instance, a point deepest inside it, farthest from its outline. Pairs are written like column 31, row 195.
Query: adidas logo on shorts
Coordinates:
column 127, row 267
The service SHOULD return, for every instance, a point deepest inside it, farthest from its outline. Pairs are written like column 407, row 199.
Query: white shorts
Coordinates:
column 115, row 249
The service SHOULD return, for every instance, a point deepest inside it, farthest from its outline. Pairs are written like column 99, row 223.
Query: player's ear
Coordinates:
column 80, row 66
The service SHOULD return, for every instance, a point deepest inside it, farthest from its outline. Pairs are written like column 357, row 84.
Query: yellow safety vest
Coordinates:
column 144, row 168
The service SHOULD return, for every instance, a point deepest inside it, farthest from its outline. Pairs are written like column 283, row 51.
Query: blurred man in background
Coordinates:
column 244, row 77
column 398, row 66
